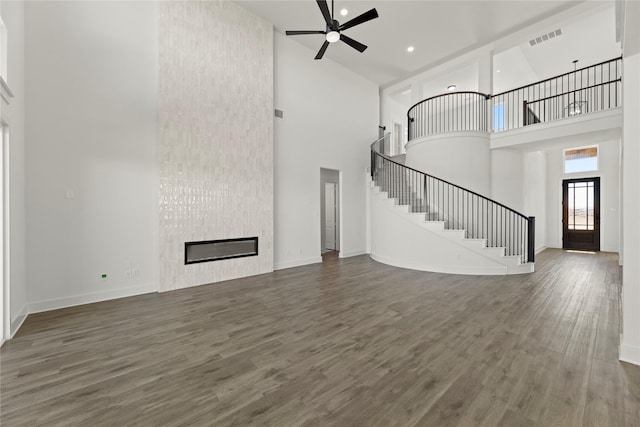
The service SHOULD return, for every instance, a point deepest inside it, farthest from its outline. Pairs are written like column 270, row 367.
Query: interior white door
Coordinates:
column 3, row 311
column 4, row 306
column 330, row 215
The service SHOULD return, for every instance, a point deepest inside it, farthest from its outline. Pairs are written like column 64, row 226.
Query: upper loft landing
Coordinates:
column 583, row 103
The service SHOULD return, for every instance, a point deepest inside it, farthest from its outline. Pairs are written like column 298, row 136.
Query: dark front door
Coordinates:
column 581, row 214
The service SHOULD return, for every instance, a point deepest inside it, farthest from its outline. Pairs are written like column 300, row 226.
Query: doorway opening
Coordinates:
column 329, row 213
column 581, row 214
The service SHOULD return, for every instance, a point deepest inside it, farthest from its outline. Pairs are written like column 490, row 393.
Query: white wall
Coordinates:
column 507, row 178
column 330, row 119
column 630, row 339
column 534, row 195
column 608, row 171
column 462, row 158
column 215, row 138
column 14, row 115
column 397, row 113
column 91, row 108
column 515, row 70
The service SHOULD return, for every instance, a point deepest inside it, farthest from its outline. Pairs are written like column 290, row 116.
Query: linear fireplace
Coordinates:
column 216, row 250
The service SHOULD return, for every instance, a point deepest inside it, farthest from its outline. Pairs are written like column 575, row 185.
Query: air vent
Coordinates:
column 545, row 37
column 215, row 250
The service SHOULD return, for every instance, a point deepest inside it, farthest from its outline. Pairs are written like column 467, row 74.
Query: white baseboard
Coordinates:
column 18, row 321
column 54, row 304
column 449, row 269
column 347, row 254
column 629, row 354
column 540, row 249
column 297, row 262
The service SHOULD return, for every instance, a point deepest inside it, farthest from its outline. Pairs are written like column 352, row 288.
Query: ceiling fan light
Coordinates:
column 333, row 36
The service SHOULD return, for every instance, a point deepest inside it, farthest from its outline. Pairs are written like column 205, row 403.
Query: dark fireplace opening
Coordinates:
column 216, row 250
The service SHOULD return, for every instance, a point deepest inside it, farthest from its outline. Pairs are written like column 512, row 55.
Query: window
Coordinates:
column 498, row 117
column 581, row 160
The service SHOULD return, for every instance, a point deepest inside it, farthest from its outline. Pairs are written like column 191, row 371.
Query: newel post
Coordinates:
column 531, row 239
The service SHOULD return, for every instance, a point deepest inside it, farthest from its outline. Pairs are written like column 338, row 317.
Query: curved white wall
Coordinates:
column 397, row 240
column 462, row 158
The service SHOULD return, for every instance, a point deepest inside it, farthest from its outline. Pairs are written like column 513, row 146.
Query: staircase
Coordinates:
column 425, row 223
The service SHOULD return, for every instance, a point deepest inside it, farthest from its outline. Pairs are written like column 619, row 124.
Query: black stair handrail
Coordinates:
column 441, row 180
column 401, row 171
column 467, row 92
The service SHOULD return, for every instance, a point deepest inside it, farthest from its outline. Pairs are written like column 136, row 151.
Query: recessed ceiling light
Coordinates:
column 344, row 12
column 451, row 88
column 410, row 49
column 497, row 71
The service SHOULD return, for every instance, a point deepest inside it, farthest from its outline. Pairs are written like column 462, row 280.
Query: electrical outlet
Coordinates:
column 135, row 272
column 129, row 273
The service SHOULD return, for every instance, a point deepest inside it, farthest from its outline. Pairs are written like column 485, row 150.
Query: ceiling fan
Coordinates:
column 333, row 32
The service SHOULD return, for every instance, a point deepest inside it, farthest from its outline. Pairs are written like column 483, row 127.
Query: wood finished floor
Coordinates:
column 347, row 342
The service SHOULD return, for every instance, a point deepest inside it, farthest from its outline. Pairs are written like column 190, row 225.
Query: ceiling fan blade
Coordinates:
column 298, row 33
column 354, row 44
column 324, row 47
column 324, row 8
column 367, row 16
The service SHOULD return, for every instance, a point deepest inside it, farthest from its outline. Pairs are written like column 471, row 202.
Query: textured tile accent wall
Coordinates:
column 215, row 137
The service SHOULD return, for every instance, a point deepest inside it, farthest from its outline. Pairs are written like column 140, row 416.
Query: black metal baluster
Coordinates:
column 473, row 215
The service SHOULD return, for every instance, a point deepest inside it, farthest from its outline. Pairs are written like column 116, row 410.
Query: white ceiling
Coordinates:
column 439, row 30
column 589, row 37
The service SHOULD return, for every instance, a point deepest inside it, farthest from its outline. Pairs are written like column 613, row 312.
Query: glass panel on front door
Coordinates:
column 581, row 214
column 581, row 211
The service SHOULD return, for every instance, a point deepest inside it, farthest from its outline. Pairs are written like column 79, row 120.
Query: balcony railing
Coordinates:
column 585, row 90
column 450, row 112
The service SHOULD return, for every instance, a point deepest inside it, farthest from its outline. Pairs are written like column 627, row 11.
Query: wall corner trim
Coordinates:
column 18, row 321
column 629, row 354
column 348, row 254
column 297, row 262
